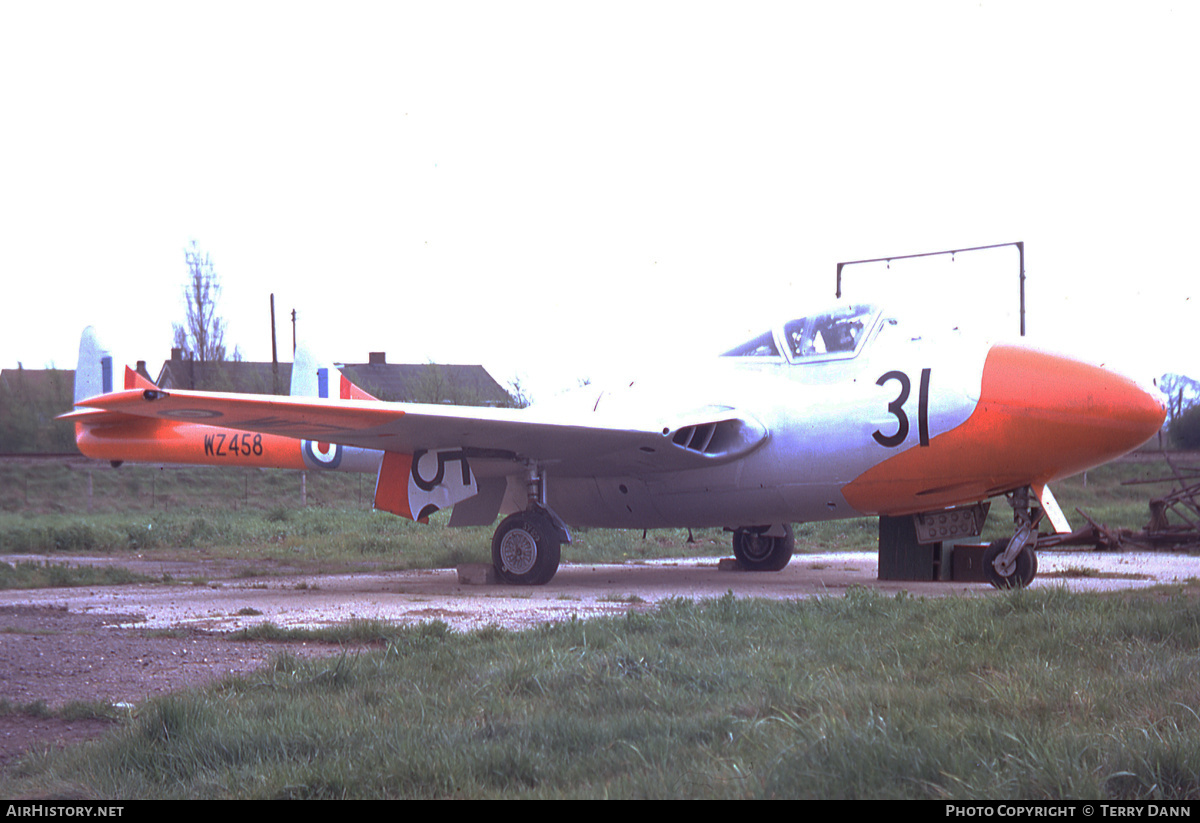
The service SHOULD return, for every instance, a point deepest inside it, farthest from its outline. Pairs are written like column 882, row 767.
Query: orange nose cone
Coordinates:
column 1067, row 415
column 1040, row 417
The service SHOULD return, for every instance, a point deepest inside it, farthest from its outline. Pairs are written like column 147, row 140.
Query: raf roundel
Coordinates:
column 322, row 455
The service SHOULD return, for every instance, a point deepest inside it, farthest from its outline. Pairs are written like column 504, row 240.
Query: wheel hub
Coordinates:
column 518, row 551
column 757, row 546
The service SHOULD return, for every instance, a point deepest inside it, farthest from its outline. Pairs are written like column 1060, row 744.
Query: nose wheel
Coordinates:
column 1016, row 573
column 1012, row 563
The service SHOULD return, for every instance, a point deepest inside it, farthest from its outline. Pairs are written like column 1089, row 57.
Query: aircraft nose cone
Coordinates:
column 1039, row 417
column 1074, row 414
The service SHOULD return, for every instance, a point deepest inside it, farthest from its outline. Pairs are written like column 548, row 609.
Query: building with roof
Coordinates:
column 242, row 376
column 465, row 385
column 459, row 385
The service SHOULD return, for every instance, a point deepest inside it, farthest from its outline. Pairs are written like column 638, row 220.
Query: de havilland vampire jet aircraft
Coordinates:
column 841, row 413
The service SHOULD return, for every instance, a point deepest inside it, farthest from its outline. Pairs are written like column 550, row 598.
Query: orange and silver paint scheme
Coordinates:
column 838, row 413
column 120, row 438
column 1039, row 418
column 186, row 439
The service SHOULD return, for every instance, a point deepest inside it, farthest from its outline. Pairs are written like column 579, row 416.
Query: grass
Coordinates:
column 208, row 512
column 50, row 487
column 1030, row 694
column 1086, row 572
column 1042, row 695
column 75, row 710
column 235, row 513
column 45, row 508
column 354, row 632
column 34, row 575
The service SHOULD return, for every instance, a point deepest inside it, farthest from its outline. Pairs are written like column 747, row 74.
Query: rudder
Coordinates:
column 94, row 372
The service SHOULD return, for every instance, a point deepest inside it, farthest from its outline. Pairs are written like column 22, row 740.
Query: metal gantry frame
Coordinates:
column 1020, row 244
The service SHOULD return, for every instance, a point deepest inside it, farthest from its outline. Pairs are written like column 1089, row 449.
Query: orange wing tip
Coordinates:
column 83, row 414
column 126, row 397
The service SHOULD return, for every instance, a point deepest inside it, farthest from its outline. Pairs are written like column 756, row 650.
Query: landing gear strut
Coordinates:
column 757, row 550
column 1012, row 563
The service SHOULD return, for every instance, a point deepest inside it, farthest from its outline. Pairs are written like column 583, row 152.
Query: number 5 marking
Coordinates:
column 896, row 408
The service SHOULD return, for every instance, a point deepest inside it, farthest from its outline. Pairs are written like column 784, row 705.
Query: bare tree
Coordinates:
column 204, row 334
column 1183, row 392
column 518, row 394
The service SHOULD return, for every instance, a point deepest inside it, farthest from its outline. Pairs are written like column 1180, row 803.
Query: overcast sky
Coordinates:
column 553, row 188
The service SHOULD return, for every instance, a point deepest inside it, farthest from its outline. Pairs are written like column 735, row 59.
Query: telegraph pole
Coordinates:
column 274, row 351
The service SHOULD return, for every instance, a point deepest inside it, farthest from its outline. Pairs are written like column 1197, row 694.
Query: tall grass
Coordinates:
column 236, row 512
column 62, row 487
column 1031, row 694
column 246, row 512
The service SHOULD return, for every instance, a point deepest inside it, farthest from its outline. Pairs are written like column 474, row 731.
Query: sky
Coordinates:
column 562, row 190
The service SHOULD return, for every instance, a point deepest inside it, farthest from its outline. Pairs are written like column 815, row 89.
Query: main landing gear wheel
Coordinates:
column 1023, row 570
column 758, row 552
column 526, row 549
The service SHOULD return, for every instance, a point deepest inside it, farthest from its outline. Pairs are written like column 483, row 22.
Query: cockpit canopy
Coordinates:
column 836, row 334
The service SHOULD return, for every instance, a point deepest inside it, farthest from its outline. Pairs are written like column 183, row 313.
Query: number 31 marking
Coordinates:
column 896, row 408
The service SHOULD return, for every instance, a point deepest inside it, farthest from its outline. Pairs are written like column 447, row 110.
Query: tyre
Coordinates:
column 526, row 549
column 757, row 552
column 1023, row 570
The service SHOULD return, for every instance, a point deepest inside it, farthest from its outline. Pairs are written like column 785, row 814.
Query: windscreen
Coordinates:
column 838, row 332
column 834, row 334
column 761, row 346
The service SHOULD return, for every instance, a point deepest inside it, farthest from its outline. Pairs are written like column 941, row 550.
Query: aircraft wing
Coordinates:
column 101, row 417
column 94, row 417
column 570, row 447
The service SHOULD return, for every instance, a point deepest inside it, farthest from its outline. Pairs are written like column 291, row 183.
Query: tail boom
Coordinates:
column 145, row 440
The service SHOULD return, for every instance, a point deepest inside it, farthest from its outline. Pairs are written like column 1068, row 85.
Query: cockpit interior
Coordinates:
column 836, row 334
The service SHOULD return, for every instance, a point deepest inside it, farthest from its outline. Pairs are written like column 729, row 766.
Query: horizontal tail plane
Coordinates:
column 410, row 485
column 119, row 437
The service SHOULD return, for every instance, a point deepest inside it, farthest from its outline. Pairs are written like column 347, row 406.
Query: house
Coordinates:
column 427, row 383
column 240, row 376
column 413, row 383
column 30, row 399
